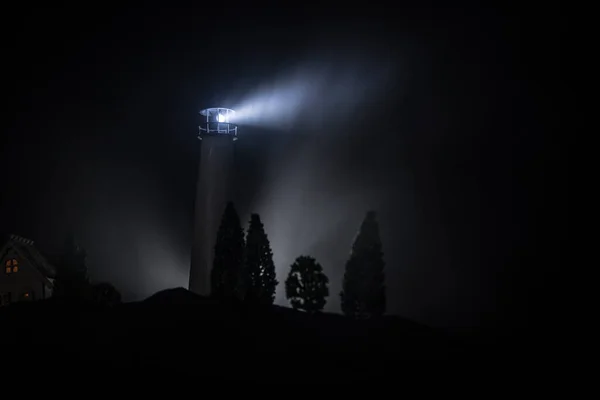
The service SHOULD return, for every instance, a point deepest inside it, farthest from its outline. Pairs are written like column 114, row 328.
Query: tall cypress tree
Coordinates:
column 363, row 290
column 71, row 271
column 229, row 255
column 259, row 269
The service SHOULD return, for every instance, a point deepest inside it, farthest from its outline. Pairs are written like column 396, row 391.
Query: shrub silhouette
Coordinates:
column 306, row 286
column 106, row 294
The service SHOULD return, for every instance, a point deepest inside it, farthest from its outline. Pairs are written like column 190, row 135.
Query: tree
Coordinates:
column 363, row 288
column 71, row 278
column 259, row 270
column 225, row 278
column 306, row 286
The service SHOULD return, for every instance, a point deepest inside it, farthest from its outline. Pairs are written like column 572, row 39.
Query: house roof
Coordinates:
column 25, row 249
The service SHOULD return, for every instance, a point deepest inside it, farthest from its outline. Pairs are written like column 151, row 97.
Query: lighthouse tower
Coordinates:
column 217, row 134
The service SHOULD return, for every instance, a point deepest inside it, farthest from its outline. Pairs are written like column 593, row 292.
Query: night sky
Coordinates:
column 436, row 118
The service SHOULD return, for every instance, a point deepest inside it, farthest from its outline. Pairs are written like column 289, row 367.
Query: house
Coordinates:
column 26, row 275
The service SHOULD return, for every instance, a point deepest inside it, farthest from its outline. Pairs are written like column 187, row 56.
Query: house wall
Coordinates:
column 27, row 279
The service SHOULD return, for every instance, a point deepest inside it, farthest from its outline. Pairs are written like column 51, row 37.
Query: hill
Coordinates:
column 176, row 331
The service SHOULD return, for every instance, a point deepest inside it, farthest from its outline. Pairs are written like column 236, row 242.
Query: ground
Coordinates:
column 178, row 332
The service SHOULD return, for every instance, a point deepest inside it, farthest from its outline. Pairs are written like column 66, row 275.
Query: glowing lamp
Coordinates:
column 216, row 121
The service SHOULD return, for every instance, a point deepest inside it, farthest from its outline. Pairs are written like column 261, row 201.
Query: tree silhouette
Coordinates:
column 259, row 271
column 71, row 278
column 363, row 289
column 106, row 294
column 229, row 255
column 306, row 286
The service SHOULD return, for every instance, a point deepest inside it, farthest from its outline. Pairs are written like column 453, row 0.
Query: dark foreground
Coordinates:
column 178, row 332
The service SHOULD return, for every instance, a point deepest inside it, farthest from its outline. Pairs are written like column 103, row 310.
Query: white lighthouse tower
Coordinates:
column 217, row 134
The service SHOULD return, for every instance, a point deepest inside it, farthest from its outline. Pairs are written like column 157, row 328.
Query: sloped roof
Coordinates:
column 25, row 248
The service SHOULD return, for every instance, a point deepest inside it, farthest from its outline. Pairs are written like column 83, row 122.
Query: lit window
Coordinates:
column 12, row 265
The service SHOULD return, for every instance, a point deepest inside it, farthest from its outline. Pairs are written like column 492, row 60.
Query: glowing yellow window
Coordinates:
column 15, row 266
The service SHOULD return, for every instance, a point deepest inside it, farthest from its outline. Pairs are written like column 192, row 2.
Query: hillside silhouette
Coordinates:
column 176, row 331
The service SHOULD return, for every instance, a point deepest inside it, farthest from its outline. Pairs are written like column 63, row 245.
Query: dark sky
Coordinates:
column 436, row 118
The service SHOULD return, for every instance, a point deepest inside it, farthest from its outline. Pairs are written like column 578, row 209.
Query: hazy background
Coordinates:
column 432, row 117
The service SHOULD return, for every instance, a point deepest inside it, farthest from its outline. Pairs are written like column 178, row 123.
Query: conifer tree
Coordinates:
column 229, row 255
column 71, row 278
column 259, row 270
column 363, row 288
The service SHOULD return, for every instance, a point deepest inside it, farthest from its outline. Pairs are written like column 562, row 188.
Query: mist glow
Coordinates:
column 312, row 94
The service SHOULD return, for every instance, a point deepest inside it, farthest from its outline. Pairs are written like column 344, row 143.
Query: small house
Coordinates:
column 26, row 275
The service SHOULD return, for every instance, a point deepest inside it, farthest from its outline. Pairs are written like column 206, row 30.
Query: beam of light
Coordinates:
column 133, row 242
column 165, row 265
column 313, row 95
